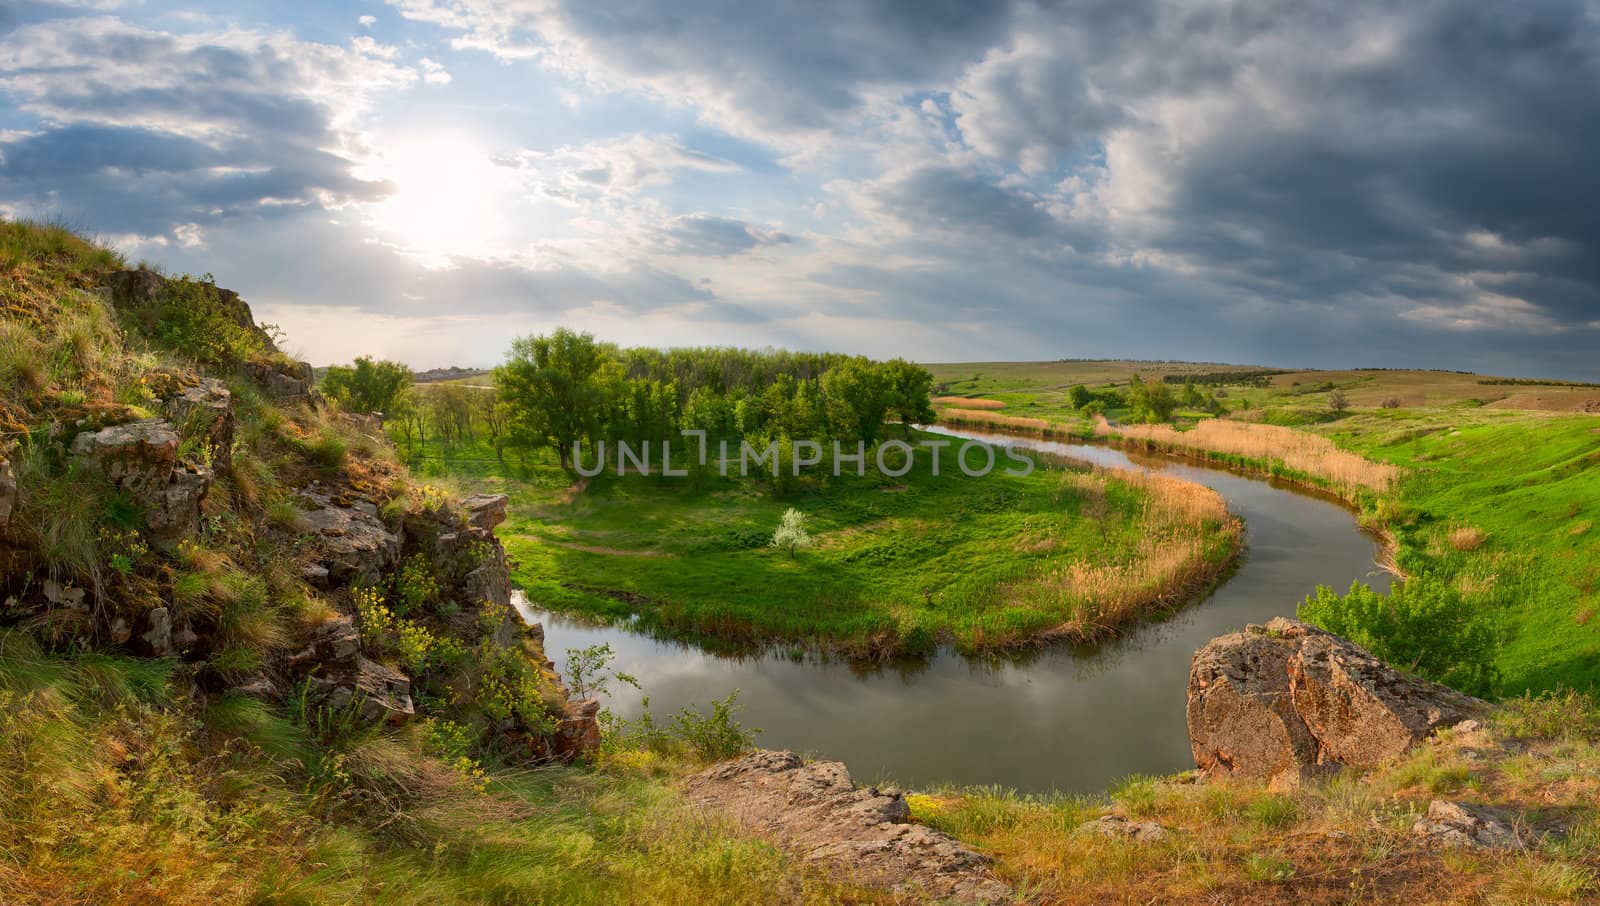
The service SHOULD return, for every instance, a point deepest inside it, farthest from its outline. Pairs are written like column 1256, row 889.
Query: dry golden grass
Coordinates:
column 962, row 402
column 1345, row 840
column 1468, row 538
column 1176, row 555
column 1295, row 450
column 978, row 418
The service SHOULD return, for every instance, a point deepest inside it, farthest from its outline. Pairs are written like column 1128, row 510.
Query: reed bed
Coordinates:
column 962, row 402
column 1187, row 541
column 1296, row 451
column 980, row 418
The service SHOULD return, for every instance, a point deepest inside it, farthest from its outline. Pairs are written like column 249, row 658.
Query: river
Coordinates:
column 1067, row 718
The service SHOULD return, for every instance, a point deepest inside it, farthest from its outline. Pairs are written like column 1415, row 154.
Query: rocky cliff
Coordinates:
column 188, row 497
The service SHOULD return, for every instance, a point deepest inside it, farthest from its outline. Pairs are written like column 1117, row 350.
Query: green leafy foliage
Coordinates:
column 1424, row 625
column 192, row 318
column 368, row 385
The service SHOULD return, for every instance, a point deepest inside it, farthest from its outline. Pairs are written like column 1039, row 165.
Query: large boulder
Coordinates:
column 350, row 544
column 142, row 459
column 1287, row 700
column 285, row 382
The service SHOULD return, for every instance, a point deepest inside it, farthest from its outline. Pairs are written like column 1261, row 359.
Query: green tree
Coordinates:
column 1151, row 401
column 1078, row 396
column 855, row 400
column 555, row 387
column 369, row 386
column 907, row 392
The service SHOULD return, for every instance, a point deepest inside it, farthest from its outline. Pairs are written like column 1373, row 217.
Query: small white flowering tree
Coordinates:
column 792, row 532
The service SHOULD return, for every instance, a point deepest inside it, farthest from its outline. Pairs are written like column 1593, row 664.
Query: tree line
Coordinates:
column 566, row 389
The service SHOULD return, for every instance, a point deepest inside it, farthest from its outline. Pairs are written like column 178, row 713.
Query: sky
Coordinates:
column 1311, row 184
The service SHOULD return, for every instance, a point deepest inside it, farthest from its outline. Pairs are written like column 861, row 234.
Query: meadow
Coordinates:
column 898, row 564
column 1486, row 485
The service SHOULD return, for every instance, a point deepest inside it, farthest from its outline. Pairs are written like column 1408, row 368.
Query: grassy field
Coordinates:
column 1490, row 484
column 1344, row 840
column 899, row 564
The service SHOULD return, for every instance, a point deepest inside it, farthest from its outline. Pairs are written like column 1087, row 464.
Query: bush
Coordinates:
column 718, row 735
column 192, row 319
column 1423, row 626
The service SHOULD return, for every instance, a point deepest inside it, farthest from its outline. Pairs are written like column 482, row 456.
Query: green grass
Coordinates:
column 1531, row 484
column 1484, row 457
column 899, row 564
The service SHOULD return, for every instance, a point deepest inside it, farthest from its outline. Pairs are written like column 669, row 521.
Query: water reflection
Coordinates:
column 1064, row 718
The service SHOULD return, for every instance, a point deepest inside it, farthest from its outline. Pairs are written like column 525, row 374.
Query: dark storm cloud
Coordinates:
column 142, row 131
column 774, row 67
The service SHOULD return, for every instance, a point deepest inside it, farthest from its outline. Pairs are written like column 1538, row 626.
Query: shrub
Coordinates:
column 716, row 736
column 1424, row 626
column 192, row 319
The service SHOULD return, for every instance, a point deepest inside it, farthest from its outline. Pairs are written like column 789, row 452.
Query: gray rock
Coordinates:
column 207, row 409
column 58, row 595
column 485, row 511
column 861, row 835
column 157, row 636
column 1458, row 824
column 285, row 382
column 142, row 459
column 1289, row 701
column 338, row 675
column 1118, row 826
column 352, row 545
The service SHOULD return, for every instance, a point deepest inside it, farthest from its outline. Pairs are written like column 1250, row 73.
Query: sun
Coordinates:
column 448, row 198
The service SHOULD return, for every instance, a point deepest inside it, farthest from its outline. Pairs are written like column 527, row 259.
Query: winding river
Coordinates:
column 1064, row 718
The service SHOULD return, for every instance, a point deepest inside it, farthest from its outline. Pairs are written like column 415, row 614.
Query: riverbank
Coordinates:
column 899, row 565
column 1495, row 500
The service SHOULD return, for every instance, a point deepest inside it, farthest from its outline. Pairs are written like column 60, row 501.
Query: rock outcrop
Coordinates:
column 1460, row 825
column 1287, row 700
column 285, row 382
column 142, row 458
column 350, row 544
column 338, row 675
column 862, row 835
column 206, row 410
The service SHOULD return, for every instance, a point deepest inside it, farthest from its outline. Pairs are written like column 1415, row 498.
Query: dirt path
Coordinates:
column 861, row 834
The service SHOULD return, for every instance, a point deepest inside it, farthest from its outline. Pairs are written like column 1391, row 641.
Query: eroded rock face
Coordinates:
column 578, row 733
column 351, row 545
column 860, row 834
column 138, row 292
column 1287, row 700
column 208, row 408
column 285, row 383
column 142, row 459
column 339, row 675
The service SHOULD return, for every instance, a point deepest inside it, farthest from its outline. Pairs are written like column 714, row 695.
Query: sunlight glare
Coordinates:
column 447, row 200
